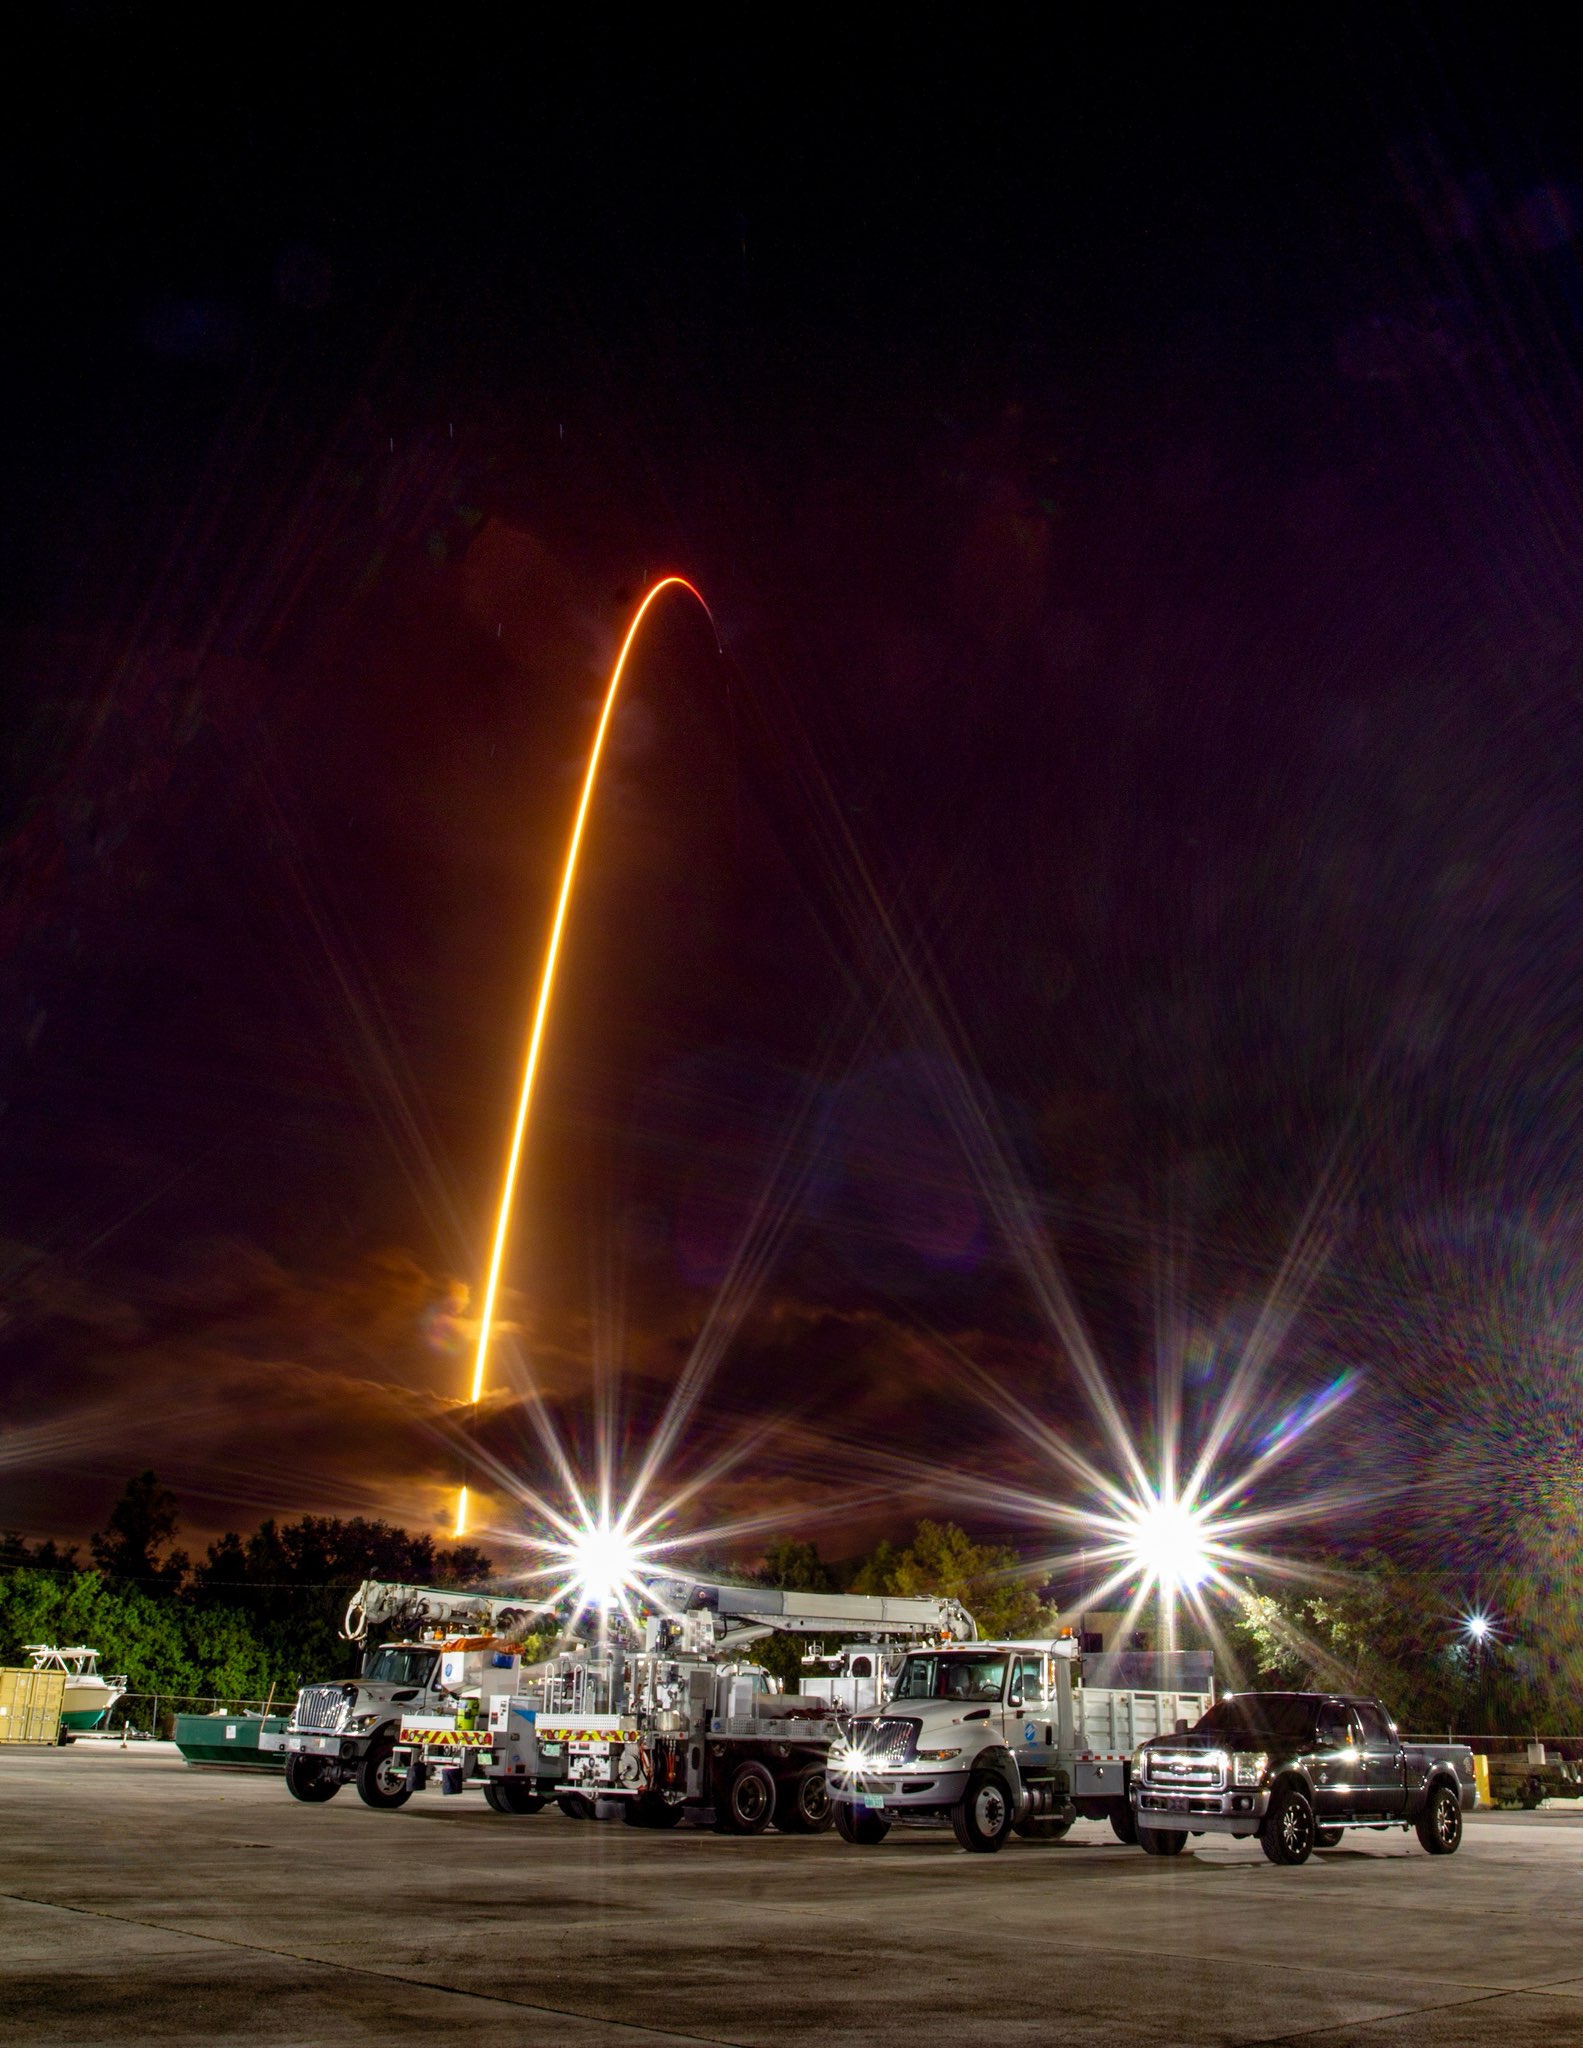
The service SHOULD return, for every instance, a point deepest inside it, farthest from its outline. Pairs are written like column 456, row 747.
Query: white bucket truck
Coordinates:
column 345, row 1732
column 681, row 1720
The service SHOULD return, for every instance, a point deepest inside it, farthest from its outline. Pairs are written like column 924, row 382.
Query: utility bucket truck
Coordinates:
column 676, row 1720
column 994, row 1737
column 345, row 1732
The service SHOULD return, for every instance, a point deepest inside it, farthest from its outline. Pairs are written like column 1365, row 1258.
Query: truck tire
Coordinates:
column 1439, row 1826
column 1123, row 1822
column 749, row 1800
column 307, row 1779
column 855, row 1824
column 576, row 1805
column 506, row 1797
column 379, row 1784
column 649, row 1810
column 803, row 1805
column 982, row 1818
column 1161, row 1841
column 1329, row 1838
column 1287, row 1833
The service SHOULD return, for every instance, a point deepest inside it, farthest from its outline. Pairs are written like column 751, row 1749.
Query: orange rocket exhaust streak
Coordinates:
column 541, row 1008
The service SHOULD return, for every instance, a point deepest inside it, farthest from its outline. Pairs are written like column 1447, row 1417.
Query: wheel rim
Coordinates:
column 386, row 1777
column 1296, row 1829
column 814, row 1799
column 1448, row 1818
column 989, row 1810
column 749, row 1799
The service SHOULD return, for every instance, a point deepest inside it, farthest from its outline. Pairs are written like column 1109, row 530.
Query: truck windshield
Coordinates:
column 951, row 1678
column 399, row 1667
column 1261, row 1718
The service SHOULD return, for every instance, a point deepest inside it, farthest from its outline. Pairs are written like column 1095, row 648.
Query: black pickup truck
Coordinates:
column 1296, row 1769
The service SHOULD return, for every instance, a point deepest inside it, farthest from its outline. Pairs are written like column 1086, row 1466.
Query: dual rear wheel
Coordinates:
column 798, row 1803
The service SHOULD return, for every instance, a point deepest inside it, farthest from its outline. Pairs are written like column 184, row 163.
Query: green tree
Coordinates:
column 796, row 1566
column 1365, row 1625
column 142, row 1522
column 989, row 1579
column 48, row 1556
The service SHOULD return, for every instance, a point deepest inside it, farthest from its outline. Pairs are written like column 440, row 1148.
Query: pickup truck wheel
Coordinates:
column 576, row 1805
column 505, row 1797
column 308, row 1779
column 1161, row 1841
column 749, row 1800
column 1123, row 1821
column 803, row 1805
column 982, row 1817
column 1328, row 1838
column 1440, row 1823
column 1287, row 1835
column 379, row 1783
column 857, row 1825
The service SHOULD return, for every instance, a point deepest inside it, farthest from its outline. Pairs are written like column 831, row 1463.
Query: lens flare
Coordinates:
column 604, row 1564
column 1168, row 1542
column 541, row 1008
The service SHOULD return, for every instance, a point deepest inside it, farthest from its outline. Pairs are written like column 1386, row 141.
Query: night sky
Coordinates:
column 1136, row 481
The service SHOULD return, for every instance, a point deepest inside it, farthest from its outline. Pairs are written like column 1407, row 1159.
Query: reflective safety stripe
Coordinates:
column 587, row 1734
column 442, row 1738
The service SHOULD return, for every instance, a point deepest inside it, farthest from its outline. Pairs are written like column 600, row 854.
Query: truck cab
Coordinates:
column 344, row 1732
column 974, row 1734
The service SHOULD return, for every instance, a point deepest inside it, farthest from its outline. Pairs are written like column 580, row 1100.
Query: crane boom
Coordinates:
column 775, row 1610
column 740, row 1613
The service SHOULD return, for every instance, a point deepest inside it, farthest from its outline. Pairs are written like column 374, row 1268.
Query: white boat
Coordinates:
column 89, row 1695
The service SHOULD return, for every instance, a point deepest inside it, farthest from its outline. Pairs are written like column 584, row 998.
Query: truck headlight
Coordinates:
column 1140, row 1756
column 935, row 1756
column 361, row 1723
column 1248, row 1766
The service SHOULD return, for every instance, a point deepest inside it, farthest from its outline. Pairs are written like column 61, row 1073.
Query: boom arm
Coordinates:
column 742, row 1611
column 380, row 1603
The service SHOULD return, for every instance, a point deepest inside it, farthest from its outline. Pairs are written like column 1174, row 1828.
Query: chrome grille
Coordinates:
column 1186, row 1770
column 320, row 1707
column 881, row 1745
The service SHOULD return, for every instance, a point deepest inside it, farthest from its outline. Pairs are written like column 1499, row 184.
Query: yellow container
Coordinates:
column 1481, row 1780
column 30, row 1705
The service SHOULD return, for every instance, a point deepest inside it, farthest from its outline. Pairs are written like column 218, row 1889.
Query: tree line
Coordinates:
column 258, row 1615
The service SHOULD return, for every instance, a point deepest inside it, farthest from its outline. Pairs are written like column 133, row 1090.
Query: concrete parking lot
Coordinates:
column 142, row 1901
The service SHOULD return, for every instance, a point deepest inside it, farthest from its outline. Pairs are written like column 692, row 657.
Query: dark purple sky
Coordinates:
column 1136, row 479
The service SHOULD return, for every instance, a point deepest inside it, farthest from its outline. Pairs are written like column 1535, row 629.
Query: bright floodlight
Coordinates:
column 604, row 1562
column 1478, row 1627
column 1167, row 1542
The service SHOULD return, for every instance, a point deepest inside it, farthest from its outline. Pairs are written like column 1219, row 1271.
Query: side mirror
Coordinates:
column 1014, row 1699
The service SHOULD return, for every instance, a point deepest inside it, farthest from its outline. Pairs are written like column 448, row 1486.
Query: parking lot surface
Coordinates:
column 143, row 1901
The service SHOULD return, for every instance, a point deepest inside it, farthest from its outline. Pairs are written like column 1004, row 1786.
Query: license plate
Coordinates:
column 1176, row 1803
column 872, row 1799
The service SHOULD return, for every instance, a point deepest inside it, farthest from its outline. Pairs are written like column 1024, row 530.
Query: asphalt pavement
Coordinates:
column 142, row 1901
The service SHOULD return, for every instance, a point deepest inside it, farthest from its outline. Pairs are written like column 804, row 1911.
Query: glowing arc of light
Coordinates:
column 541, row 1008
